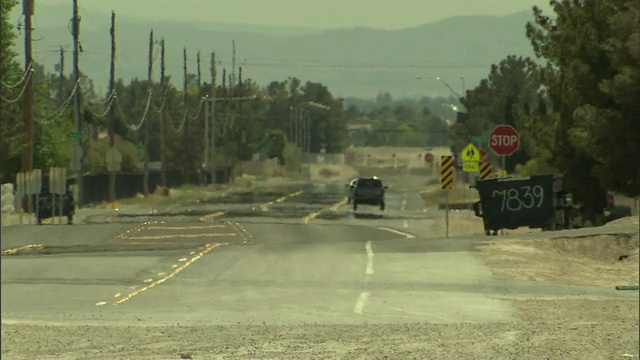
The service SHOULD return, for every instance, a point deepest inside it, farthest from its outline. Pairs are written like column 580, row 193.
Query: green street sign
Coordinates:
column 75, row 135
column 479, row 139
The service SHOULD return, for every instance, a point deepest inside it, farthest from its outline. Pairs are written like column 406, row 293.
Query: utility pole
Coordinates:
column 225, row 113
column 147, row 125
column 230, row 113
column 187, row 163
column 111, row 119
column 232, row 81
column 228, row 121
column 291, row 117
column 199, row 73
column 61, row 89
column 27, row 153
column 76, row 72
column 163, row 127
column 213, row 126
column 200, row 123
column 207, row 151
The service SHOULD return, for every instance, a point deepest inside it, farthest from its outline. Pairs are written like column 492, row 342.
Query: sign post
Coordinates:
column 114, row 164
column 504, row 140
column 36, row 188
column 21, row 192
column 446, row 184
column 57, row 186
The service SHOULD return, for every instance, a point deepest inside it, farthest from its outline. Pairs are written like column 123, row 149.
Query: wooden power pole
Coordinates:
column 27, row 153
column 61, row 76
column 187, row 156
column 147, row 125
column 76, row 72
column 163, row 127
column 200, row 122
column 111, row 118
column 213, row 126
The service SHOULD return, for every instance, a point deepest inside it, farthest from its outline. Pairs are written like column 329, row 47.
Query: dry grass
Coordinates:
column 321, row 172
column 434, row 195
column 602, row 260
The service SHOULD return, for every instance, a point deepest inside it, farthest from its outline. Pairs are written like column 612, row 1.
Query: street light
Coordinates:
column 450, row 88
column 451, row 106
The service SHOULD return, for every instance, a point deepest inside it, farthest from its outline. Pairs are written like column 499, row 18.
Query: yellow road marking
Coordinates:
column 13, row 251
column 335, row 207
column 310, row 217
column 117, row 295
column 177, row 236
column 265, row 206
column 147, row 280
column 174, row 266
column 212, row 216
column 162, row 273
column 182, row 259
column 184, row 227
column 101, row 303
column 208, row 248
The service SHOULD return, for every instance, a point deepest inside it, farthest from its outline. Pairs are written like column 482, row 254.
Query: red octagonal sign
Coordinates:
column 504, row 140
column 428, row 158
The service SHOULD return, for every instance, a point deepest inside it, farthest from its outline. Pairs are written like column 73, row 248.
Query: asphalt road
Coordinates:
column 295, row 255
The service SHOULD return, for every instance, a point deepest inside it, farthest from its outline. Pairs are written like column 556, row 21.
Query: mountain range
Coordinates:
column 352, row 62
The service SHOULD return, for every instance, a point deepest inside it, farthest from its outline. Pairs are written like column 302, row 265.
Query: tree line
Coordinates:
column 251, row 118
column 576, row 105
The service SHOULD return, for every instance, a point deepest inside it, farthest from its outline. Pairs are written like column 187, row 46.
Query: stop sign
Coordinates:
column 504, row 140
column 428, row 158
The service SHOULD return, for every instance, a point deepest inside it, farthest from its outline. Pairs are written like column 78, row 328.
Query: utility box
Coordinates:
column 537, row 201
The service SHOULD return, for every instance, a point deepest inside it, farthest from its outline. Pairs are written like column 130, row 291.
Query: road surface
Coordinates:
column 260, row 264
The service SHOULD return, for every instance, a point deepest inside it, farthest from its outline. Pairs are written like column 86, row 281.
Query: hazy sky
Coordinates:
column 386, row 14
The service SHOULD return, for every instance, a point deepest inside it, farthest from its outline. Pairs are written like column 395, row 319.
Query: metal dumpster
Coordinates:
column 537, row 201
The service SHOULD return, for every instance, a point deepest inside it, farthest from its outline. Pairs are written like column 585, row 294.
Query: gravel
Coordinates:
column 539, row 335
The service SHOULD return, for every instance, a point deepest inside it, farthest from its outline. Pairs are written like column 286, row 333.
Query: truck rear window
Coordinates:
column 370, row 183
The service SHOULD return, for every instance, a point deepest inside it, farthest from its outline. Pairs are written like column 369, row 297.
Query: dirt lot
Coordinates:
column 576, row 334
column 329, row 172
column 604, row 260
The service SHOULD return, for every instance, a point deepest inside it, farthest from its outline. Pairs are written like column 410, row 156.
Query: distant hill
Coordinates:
column 352, row 62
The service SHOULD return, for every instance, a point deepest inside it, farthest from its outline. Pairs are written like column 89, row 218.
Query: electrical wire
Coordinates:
column 111, row 95
column 194, row 117
column 184, row 120
column 144, row 116
column 62, row 107
column 102, row 116
column 21, row 91
column 158, row 110
column 28, row 71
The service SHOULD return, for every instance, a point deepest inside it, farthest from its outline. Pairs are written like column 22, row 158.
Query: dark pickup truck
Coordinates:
column 368, row 191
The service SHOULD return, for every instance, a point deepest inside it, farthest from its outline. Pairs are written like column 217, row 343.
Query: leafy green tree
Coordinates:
column 11, row 129
column 591, row 130
column 510, row 91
